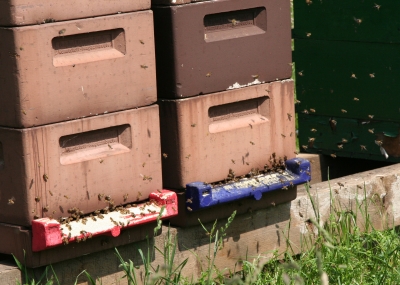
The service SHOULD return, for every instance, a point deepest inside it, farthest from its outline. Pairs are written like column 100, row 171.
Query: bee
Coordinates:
column 379, row 143
column 356, row 99
column 84, row 220
column 188, row 156
column 333, row 155
column 353, row 76
column 66, row 197
column 133, row 215
column 144, row 66
column 101, row 160
column 273, row 204
column 23, row 112
column 100, row 197
column 61, row 32
column 193, row 125
column 100, row 216
column 289, row 116
column 255, row 76
column 297, row 101
column 340, row 146
column 69, row 227
column 165, row 155
column 359, row 187
column 372, row 75
column 189, row 209
column 371, row 116
column 46, row 208
column 159, row 191
column 11, row 201
column 121, row 224
column 343, row 111
column 252, row 142
column 284, row 188
column 291, row 63
column 340, row 184
column 208, row 74
column 344, row 140
column 234, row 22
column 51, row 193
column 251, row 126
column 376, row 6
column 305, row 111
column 300, row 73
column 312, row 110
column 37, row 199
column 291, row 134
column 35, row 217
column 308, row 35
column 233, row 161
column 363, row 147
column 336, row 191
column 301, row 215
column 107, row 198
column 65, row 240
column 94, row 218
column 296, row 153
column 189, row 200
column 304, row 147
column 78, row 239
column 332, row 124
column 142, row 42
column 283, row 135
column 125, row 197
column 298, row 162
column 314, row 130
column 45, row 177
column 69, row 235
column 358, row 21
column 311, row 140
column 371, row 131
column 291, row 184
column 110, row 147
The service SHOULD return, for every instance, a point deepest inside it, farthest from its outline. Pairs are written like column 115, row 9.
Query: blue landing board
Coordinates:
column 200, row 195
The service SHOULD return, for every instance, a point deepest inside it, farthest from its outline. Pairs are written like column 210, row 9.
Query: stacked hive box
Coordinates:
column 59, row 65
column 219, row 119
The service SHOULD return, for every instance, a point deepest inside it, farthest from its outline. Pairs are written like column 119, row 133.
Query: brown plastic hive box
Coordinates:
column 30, row 12
column 69, row 164
column 174, row 2
column 67, row 70
column 205, row 136
column 209, row 46
column 17, row 240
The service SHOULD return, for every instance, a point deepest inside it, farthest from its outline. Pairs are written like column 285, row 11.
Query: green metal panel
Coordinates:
column 347, row 83
column 335, row 73
column 349, row 20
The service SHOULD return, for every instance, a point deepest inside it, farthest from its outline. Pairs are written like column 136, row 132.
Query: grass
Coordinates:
column 346, row 249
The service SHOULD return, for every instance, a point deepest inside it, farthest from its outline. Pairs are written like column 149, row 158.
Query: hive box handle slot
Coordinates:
column 247, row 113
column 89, row 47
column 95, row 144
column 235, row 24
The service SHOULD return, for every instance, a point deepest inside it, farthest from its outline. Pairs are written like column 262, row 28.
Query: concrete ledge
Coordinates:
column 256, row 233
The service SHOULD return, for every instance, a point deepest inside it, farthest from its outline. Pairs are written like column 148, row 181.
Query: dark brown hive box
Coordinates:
column 69, row 164
column 67, row 70
column 203, row 137
column 208, row 46
column 30, row 12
